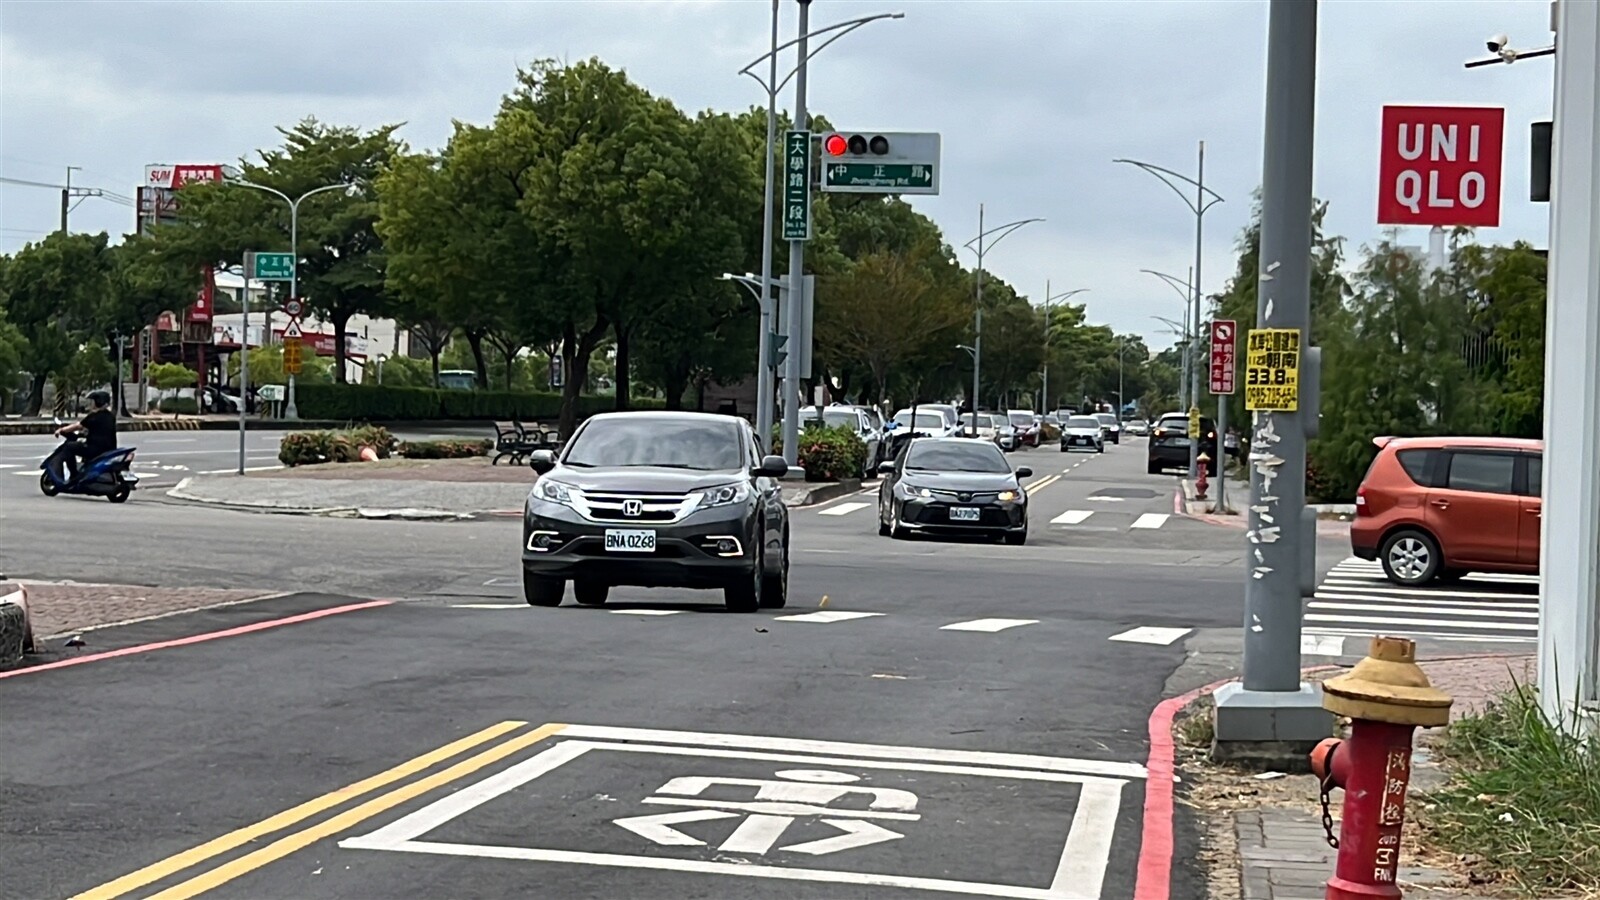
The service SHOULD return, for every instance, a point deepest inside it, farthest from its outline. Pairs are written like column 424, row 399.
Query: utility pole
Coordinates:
column 977, row 329
column 66, row 197
column 764, row 368
column 797, row 261
column 1272, row 709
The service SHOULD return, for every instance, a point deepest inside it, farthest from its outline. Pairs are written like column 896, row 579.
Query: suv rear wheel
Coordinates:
column 1410, row 558
column 542, row 590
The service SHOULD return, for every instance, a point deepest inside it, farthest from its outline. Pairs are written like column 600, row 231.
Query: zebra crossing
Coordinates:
column 1355, row 599
column 1088, row 519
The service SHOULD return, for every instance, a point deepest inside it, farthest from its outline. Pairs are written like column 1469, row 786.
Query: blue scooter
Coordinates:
column 105, row 476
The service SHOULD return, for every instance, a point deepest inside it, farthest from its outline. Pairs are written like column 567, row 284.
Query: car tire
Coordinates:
column 542, row 590
column 1410, row 558
column 775, row 593
column 744, row 595
column 48, row 485
column 1016, row 538
column 120, row 495
column 590, row 593
column 883, row 527
column 1153, row 468
column 1451, row 576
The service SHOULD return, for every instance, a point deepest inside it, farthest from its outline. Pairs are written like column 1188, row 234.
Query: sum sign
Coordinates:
column 1441, row 165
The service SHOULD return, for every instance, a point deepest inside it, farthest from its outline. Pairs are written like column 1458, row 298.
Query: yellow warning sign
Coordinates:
column 1272, row 369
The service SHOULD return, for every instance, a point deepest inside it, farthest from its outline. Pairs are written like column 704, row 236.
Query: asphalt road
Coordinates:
column 926, row 719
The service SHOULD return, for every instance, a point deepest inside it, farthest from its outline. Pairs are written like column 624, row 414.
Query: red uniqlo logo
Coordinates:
column 1440, row 165
column 1223, row 332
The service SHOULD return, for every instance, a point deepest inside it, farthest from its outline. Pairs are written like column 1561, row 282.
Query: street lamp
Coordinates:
column 1204, row 199
column 764, row 368
column 1044, row 386
column 1185, row 289
column 1001, row 232
column 290, row 411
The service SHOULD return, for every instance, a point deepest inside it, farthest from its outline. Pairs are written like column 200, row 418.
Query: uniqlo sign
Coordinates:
column 1223, row 335
column 1441, row 165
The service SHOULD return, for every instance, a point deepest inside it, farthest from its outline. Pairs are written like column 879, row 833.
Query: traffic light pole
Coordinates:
column 1273, row 712
column 797, row 261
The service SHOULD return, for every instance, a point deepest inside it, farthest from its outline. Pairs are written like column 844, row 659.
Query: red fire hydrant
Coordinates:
column 1386, row 697
column 1202, row 462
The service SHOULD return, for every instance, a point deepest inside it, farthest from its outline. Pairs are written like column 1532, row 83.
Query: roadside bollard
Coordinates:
column 1386, row 697
column 1200, row 481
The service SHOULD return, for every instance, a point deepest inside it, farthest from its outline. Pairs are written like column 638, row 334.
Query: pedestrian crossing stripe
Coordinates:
column 843, row 509
column 1143, row 521
column 1356, row 598
column 1072, row 517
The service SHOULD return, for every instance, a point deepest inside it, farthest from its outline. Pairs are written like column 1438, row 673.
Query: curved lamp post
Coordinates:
column 1044, row 384
column 1001, row 232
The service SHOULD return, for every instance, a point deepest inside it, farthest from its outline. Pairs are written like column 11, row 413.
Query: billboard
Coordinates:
column 1441, row 165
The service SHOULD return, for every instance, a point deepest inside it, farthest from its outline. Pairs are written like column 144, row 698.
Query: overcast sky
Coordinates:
column 1034, row 98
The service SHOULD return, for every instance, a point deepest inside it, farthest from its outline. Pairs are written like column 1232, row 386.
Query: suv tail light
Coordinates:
column 1361, row 502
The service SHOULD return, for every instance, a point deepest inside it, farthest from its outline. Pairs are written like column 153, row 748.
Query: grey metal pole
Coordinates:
column 1194, row 362
column 797, row 261
column 1044, row 386
column 1278, row 451
column 977, row 329
column 244, row 355
column 764, row 373
column 290, row 410
column 121, row 409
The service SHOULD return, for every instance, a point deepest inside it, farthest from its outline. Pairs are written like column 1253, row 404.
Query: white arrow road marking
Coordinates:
column 1072, row 517
column 856, row 834
column 658, row 828
column 756, row 834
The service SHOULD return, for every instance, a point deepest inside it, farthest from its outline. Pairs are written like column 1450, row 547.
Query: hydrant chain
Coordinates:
column 1327, row 813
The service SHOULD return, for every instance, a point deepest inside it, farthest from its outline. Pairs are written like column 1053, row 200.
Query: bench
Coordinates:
column 517, row 441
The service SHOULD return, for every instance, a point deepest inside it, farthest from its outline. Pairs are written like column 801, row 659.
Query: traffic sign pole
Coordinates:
column 244, row 353
column 797, row 254
column 1223, row 334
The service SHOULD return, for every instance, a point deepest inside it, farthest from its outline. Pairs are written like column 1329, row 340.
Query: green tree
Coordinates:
column 1503, row 289
column 52, row 291
column 144, row 281
column 341, row 254
column 90, row 368
column 266, row 367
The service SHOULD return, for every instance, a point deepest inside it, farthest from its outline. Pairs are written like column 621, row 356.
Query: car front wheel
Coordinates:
column 775, row 592
column 542, row 590
column 744, row 595
column 1410, row 558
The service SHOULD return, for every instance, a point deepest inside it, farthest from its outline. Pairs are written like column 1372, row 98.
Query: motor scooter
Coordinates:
column 105, row 476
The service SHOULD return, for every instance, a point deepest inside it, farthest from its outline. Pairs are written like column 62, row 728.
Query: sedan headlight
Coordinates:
column 553, row 491
column 726, row 495
column 1009, row 496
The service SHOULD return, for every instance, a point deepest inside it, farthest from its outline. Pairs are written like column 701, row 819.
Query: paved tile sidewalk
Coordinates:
column 64, row 608
column 1283, row 852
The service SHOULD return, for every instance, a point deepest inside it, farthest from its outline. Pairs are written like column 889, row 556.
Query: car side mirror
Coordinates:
column 772, row 467
column 886, row 467
column 542, row 461
column 1024, row 472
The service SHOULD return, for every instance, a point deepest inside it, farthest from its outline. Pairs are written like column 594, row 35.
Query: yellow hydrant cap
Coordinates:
column 1388, row 686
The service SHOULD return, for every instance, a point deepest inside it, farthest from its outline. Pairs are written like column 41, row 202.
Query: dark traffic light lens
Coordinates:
column 858, row 144
column 880, row 145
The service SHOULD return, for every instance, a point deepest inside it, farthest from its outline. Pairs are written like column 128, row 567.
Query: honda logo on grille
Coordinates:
column 632, row 508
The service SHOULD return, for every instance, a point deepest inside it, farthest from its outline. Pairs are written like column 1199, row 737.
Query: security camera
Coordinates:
column 1497, row 43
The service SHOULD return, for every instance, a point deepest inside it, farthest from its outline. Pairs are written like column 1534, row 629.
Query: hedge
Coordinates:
column 179, row 406
column 362, row 402
column 304, row 448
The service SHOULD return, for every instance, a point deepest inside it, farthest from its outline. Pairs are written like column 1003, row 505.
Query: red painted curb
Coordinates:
column 198, row 638
column 1156, row 840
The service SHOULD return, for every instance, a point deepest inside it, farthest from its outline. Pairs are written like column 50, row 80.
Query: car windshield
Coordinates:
column 999, row 422
column 704, row 445
column 1021, row 419
column 832, row 417
column 924, row 419
column 1106, row 418
column 983, row 421
column 950, row 456
column 1083, row 422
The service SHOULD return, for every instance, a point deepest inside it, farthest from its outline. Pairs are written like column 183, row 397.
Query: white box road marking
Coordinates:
column 1321, row 645
column 1151, row 520
column 989, row 625
column 826, row 617
column 842, row 509
column 644, row 612
column 1072, row 517
column 1149, row 634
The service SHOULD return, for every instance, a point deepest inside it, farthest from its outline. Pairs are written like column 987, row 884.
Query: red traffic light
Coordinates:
column 836, row 145
column 855, row 145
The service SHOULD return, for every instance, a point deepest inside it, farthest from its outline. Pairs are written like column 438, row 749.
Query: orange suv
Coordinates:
column 1441, row 507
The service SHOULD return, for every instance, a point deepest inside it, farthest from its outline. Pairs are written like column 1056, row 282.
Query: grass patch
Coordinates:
column 1195, row 726
column 1522, row 803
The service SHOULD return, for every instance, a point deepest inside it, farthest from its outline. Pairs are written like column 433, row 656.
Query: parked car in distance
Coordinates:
column 1438, row 508
column 1006, row 434
column 853, row 419
column 1027, row 426
column 879, row 428
column 1136, row 427
column 1049, row 428
column 657, row 499
column 1169, row 444
column 953, row 486
column 995, row 429
column 1083, row 433
column 1112, row 425
column 930, row 422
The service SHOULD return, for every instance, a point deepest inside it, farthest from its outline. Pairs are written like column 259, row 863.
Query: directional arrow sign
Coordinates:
column 856, row 834
column 659, row 828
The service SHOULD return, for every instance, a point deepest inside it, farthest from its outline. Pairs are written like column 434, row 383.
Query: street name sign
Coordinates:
column 881, row 162
column 273, row 266
column 797, row 185
column 1441, row 165
column 1272, row 369
column 1224, row 332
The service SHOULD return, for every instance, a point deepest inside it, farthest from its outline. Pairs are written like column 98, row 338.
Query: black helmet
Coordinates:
column 100, row 398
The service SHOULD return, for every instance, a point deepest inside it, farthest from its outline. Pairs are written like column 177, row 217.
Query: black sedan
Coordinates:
column 657, row 500
column 953, row 486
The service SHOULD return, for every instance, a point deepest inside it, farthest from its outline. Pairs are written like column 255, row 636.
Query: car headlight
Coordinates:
column 911, row 490
column 1009, row 496
column 725, row 495
column 553, row 491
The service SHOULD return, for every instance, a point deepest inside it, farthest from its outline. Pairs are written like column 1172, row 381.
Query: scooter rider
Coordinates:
column 99, row 429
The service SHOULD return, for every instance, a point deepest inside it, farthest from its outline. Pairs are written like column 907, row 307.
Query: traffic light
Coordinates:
column 838, row 144
column 779, row 354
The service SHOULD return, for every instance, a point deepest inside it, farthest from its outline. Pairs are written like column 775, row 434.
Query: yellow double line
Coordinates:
column 1041, row 484
column 326, row 828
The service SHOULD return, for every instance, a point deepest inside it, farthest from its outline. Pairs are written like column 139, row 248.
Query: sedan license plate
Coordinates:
column 964, row 513
column 1178, row 441
column 621, row 540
